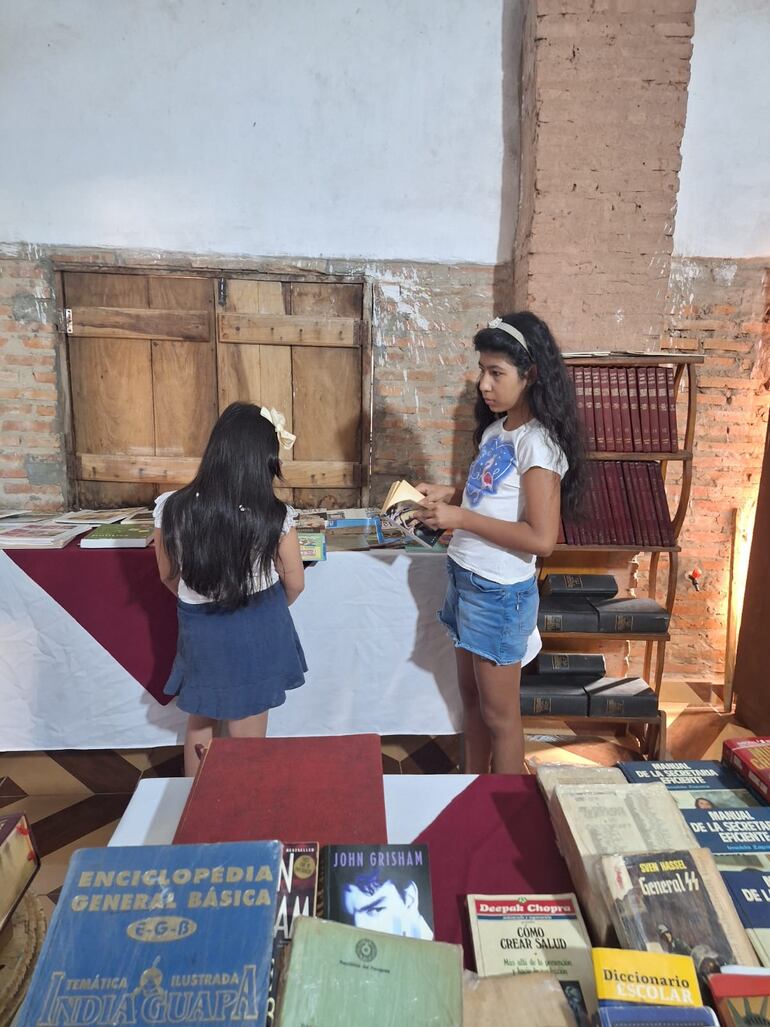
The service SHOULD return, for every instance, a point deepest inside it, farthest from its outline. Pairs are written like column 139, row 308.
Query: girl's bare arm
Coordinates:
column 289, row 566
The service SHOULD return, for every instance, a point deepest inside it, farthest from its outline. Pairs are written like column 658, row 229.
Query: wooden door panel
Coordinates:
column 327, row 404
column 99, row 289
column 332, row 300
column 249, row 296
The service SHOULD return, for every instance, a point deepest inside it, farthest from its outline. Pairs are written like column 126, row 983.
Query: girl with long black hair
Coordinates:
column 529, row 470
column 226, row 546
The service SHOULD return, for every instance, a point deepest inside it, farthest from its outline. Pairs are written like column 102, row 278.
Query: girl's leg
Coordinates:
column 249, row 727
column 200, row 731
column 477, row 743
column 500, row 707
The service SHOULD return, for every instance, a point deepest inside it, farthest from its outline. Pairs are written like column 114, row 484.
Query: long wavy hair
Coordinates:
column 551, row 396
column 221, row 532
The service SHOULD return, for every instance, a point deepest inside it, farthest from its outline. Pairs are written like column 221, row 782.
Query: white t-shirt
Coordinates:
column 494, row 490
column 186, row 594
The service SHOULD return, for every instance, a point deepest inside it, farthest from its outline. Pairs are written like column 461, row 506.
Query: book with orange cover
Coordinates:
column 328, row 789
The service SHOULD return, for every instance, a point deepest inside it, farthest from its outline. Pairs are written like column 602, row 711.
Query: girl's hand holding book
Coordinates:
column 438, row 514
column 437, row 493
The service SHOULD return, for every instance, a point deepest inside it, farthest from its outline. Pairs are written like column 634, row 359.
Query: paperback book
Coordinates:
column 549, row 775
column 40, row 535
column 159, row 934
column 19, row 862
column 657, row 1016
column 749, row 888
column 383, row 888
column 521, row 934
column 402, row 508
column 118, row 536
column 312, row 546
column 297, row 896
column 623, row 976
column 675, row 902
column 690, row 775
column 731, row 830
column 534, row 999
column 337, row 975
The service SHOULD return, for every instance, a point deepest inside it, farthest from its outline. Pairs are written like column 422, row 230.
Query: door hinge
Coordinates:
column 68, row 321
column 222, row 292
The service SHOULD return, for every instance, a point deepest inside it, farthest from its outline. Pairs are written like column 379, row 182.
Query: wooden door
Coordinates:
column 143, row 382
column 298, row 347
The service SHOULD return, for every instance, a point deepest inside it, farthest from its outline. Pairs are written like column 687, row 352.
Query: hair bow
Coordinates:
column 278, row 421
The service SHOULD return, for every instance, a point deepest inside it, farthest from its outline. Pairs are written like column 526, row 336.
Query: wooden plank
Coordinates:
column 99, row 495
column 323, row 474
column 327, row 404
column 249, row 296
column 239, row 374
column 183, row 373
column 95, row 289
column 326, row 499
column 129, row 323
column 267, row 330
column 112, row 396
column 329, row 300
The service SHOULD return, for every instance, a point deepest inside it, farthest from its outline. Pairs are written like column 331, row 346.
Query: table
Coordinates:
column 87, row 638
column 489, row 834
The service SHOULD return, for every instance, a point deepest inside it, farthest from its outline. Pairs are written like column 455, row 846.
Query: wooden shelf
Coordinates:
column 619, row 636
column 680, row 454
column 564, row 547
column 636, row 359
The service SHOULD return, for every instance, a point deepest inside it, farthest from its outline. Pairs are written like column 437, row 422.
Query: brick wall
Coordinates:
column 610, row 93
column 32, row 458
column 718, row 308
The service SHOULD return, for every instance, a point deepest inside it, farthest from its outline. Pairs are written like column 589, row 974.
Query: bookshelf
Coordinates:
column 624, row 516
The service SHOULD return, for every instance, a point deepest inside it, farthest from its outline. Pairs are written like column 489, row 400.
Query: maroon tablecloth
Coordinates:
column 117, row 596
column 494, row 838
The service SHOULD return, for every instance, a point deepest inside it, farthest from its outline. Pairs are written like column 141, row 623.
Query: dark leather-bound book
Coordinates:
column 652, row 396
column 570, row 614
column 631, row 616
column 633, row 407
column 570, row 663
column 600, row 586
column 644, row 409
column 610, row 511
column 566, row 700
column 633, row 508
column 599, row 426
column 621, row 697
column 660, row 500
column 619, row 380
column 609, row 427
column 327, row 789
column 663, row 415
column 672, row 409
column 588, row 405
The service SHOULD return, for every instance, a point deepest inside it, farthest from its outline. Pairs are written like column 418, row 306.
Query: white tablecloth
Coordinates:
column 412, row 802
column 379, row 662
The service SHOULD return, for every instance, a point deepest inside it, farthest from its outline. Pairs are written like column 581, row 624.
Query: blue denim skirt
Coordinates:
column 232, row 664
column 492, row 620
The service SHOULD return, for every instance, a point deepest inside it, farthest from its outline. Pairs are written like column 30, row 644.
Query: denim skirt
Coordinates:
column 492, row 620
column 232, row 664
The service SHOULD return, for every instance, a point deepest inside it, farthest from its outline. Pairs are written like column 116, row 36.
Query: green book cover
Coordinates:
column 338, row 975
column 108, row 536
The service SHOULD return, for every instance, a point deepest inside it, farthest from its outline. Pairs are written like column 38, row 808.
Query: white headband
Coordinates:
column 278, row 421
column 505, row 327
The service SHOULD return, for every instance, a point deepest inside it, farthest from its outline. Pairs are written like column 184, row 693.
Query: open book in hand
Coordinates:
column 401, row 508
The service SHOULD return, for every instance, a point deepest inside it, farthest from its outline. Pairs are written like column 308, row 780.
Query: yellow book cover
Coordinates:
column 625, row 975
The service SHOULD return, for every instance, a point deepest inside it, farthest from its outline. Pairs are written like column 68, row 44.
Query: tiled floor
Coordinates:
column 75, row 798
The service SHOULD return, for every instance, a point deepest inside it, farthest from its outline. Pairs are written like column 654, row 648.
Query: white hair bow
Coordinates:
column 278, row 421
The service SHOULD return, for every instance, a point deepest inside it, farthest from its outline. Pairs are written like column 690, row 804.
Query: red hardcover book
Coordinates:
column 327, row 789
column 588, row 406
column 620, row 504
column 604, row 390
column 619, row 381
column 576, row 374
column 617, row 422
column 671, row 409
column 644, row 409
column 595, row 528
column 596, row 392
column 633, row 409
column 750, row 758
column 633, row 505
column 652, row 399
column 560, row 536
column 660, row 500
column 610, row 510
column 649, row 520
column 663, row 414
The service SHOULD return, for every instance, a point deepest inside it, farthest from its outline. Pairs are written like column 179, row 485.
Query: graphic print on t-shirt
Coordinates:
column 494, row 463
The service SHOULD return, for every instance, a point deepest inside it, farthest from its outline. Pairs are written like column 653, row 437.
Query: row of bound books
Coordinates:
column 626, row 409
column 626, row 505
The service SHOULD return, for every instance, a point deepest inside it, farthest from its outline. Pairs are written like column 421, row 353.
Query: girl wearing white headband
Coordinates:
column 226, row 546
column 528, row 472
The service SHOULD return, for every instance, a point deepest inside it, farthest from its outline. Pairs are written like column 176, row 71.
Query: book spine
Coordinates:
column 644, row 409
column 663, row 414
column 627, row 529
column 661, row 504
column 652, row 399
column 588, row 406
column 617, row 420
column 672, row 409
column 633, row 409
column 648, row 510
column 631, row 499
column 596, row 391
column 619, row 382
column 616, row 504
column 609, row 506
column 592, row 530
column 609, row 426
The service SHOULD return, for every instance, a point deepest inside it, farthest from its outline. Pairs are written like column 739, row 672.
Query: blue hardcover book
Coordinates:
column 657, row 1016
column 159, row 934
column 749, row 888
column 731, row 830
